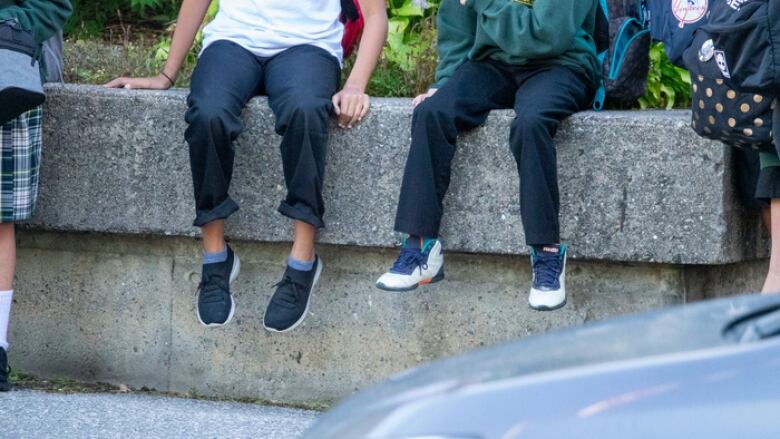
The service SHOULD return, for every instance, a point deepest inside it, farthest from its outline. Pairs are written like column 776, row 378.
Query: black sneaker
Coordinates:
column 290, row 302
column 5, row 385
column 215, row 303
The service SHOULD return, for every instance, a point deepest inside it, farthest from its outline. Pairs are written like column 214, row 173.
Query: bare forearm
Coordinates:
column 190, row 18
column 371, row 43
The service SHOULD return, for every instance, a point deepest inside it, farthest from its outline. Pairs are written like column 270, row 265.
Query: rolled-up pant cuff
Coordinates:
column 222, row 211
column 301, row 212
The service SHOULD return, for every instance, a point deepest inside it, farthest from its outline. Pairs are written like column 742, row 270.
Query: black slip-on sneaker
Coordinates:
column 290, row 303
column 5, row 384
column 215, row 303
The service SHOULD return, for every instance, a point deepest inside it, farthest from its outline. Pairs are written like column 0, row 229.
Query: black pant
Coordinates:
column 747, row 167
column 300, row 83
column 541, row 97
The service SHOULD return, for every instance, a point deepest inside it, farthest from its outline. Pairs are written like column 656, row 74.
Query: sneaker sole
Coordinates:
column 233, row 275
column 548, row 308
column 298, row 323
column 438, row 278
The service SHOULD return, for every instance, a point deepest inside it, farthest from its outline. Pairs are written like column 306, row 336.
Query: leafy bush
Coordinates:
column 668, row 86
column 409, row 60
column 142, row 5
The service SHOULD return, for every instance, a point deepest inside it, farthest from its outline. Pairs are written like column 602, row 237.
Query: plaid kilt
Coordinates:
column 20, row 158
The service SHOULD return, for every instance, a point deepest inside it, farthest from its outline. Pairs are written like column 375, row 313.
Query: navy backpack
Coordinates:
column 674, row 22
column 746, row 34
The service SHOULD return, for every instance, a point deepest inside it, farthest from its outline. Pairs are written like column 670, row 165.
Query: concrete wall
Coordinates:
column 121, row 309
column 108, row 267
column 635, row 186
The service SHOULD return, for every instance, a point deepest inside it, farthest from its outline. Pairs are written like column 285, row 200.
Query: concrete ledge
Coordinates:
column 636, row 186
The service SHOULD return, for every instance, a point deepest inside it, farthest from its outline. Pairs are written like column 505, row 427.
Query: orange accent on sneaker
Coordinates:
column 426, row 281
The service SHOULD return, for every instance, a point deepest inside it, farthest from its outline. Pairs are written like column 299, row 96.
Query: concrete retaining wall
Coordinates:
column 635, row 186
column 108, row 267
column 121, row 309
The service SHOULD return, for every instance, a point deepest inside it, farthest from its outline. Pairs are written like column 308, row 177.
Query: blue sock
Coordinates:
column 414, row 241
column 300, row 265
column 215, row 258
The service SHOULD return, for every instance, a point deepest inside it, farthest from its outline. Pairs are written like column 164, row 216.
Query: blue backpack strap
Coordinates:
column 601, row 91
column 601, row 95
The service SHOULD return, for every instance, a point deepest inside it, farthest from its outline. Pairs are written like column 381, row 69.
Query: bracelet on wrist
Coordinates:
column 168, row 78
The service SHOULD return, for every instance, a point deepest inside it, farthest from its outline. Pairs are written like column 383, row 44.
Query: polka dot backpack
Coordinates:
column 720, row 112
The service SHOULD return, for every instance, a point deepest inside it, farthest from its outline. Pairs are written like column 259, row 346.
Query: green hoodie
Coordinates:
column 517, row 32
column 44, row 18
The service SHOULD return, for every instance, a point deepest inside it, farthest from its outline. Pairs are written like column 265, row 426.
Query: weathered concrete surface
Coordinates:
column 40, row 415
column 704, row 282
column 635, row 186
column 121, row 309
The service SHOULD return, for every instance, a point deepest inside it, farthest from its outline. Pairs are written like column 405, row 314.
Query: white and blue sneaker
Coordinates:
column 414, row 267
column 548, row 292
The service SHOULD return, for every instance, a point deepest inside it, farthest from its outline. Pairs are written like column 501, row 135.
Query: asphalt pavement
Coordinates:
column 33, row 414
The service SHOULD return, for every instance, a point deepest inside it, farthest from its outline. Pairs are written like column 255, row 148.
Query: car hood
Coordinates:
column 556, row 357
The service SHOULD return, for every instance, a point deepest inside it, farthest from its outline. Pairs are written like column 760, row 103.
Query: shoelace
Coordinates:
column 210, row 290
column 409, row 260
column 288, row 292
column 546, row 269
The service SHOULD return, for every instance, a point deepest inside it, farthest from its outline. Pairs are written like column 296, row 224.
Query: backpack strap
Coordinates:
column 349, row 10
column 601, row 91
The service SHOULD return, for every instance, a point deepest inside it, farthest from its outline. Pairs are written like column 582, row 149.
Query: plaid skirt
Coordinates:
column 20, row 158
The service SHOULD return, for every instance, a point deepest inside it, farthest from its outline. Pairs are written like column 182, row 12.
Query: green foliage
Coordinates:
column 668, row 86
column 93, row 18
column 141, row 5
column 409, row 60
column 407, row 25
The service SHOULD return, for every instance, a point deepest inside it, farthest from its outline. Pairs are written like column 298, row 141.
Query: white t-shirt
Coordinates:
column 269, row 27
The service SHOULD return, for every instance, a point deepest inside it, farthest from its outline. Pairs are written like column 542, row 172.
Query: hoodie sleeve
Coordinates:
column 457, row 29
column 43, row 17
column 531, row 28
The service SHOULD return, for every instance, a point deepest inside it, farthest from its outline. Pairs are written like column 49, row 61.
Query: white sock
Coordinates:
column 5, row 315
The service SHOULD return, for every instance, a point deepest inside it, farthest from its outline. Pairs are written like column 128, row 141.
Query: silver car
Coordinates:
column 706, row 370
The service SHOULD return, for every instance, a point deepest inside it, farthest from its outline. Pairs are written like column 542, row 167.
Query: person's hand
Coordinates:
column 159, row 82
column 419, row 99
column 351, row 105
